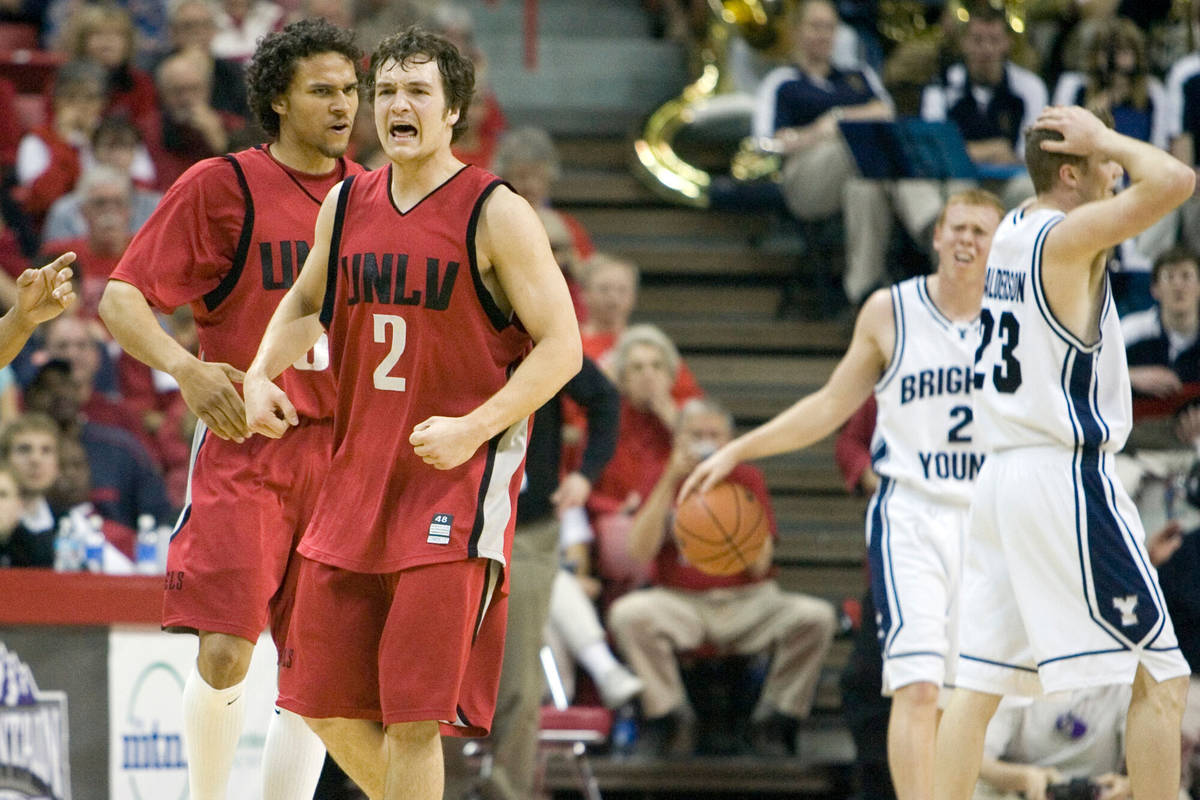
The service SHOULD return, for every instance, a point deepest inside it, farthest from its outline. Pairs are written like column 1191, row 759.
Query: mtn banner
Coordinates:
column 146, row 675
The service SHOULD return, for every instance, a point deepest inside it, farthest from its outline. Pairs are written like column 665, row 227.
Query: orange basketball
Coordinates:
column 722, row 531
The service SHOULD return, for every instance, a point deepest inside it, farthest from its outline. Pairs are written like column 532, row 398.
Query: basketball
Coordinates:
column 722, row 531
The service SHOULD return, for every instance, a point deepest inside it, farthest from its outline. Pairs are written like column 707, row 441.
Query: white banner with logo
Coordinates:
column 146, row 672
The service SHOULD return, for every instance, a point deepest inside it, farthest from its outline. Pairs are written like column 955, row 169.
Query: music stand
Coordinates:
column 915, row 148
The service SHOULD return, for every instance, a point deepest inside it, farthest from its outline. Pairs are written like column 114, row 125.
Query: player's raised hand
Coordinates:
column 208, row 389
column 268, row 409
column 1082, row 131
column 709, row 472
column 445, row 442
column 44, row 293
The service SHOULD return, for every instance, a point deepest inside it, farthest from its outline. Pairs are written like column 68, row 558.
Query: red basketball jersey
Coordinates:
column 229, row 238
column 413, row 333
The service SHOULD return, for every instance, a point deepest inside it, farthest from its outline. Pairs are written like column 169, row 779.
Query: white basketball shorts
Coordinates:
column 914, row 547
column 1057, row 590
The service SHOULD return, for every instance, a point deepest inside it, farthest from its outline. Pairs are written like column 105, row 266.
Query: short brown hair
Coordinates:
column 1043, row 165
column 1173, row 255
column 28, row 422
column 971, row 197
column 416, row 45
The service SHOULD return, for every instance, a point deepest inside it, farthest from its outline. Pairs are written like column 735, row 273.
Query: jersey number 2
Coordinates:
column 399, row 334
column 964, row 416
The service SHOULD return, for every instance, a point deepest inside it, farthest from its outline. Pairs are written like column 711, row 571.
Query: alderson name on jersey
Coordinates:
column 1004, row 284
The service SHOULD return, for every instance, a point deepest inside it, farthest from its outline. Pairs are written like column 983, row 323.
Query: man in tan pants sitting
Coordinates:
column 745, row 613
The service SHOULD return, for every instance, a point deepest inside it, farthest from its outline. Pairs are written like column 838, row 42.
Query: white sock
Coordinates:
column 597, row 659
column 212, row 724
column 292, row 758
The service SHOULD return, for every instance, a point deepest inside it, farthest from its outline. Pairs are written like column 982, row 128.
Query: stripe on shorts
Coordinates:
column 883, row 584
column 494, row 508
column 198, row 438
column 1121, row 599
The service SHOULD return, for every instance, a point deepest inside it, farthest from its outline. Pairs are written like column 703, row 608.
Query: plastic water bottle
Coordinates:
column 68, row 549
column 93, row 546
column 147, row 545
column 624, row 731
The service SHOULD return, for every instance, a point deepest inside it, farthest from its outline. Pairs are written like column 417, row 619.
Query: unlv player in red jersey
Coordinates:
column 449, row 323
column 229, row 238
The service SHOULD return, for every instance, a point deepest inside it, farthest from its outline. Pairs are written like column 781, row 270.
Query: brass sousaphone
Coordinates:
column 712, row 97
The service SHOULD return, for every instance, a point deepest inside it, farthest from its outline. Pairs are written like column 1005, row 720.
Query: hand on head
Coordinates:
column 1082, row 131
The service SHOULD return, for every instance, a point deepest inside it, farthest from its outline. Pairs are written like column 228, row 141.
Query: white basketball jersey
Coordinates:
column 925, row 433
column 1036, row 382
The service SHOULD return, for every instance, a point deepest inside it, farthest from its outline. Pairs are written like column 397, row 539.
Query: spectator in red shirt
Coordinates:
column 188, row 128
column 50, row 157
column 115, row 143
column 528, row 159
column 610, row 287
column 852, row 450
column 746, row 613
column 10, row 124
column 106, row 202
column 192, row 25
column 73, row 341
column 103, row 33
column 645, row 364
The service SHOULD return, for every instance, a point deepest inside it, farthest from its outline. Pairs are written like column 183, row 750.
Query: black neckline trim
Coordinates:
column 341, row 168
column 432, row 192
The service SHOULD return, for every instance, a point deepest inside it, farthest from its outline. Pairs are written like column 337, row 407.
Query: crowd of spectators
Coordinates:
column 990, row 83
column 138, row 99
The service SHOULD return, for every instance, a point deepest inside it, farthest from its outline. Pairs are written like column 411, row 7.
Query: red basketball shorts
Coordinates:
column 421, row 644
column 231, row 563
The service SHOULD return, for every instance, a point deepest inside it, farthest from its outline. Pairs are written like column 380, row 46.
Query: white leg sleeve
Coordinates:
column 292, row 758
column 212, row 723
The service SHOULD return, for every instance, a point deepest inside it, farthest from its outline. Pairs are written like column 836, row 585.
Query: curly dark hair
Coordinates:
column 417, row 45
column 270, row 71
